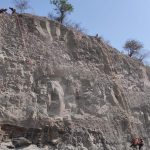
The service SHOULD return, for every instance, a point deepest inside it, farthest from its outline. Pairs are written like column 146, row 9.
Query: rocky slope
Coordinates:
column 68, row 90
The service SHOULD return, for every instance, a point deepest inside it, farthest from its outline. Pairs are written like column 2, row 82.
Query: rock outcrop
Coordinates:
column 76, row 88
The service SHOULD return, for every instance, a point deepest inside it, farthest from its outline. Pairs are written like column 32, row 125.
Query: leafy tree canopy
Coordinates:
column 62, row 7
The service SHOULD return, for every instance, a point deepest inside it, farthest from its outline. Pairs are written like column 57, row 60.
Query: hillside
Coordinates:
column 69, row 87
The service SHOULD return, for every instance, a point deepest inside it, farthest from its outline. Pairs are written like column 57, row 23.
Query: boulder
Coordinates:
column 21, row 142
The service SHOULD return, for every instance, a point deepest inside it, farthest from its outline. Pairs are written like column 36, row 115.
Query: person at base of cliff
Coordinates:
column 137, row 142
column 2, row 10
column 134, row 142
column 141, row 143
column 13, row 10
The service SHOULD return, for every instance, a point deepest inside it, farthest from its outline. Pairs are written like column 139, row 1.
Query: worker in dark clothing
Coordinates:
column 2, row 10
column 96, row 35
column 141, row 143
column 13, row 10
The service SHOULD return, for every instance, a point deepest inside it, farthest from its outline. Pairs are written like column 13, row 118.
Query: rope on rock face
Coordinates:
column 28, row 60
column 22, row 28
column 130, row 126
column 18, row 21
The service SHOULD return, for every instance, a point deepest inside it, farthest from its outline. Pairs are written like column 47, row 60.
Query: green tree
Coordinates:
column 133, row 47
column 62, row 8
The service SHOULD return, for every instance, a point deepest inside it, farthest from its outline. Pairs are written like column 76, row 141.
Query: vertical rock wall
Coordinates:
column 48, row 71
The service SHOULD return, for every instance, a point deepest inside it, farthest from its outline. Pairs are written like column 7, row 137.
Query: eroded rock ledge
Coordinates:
column 56, row 134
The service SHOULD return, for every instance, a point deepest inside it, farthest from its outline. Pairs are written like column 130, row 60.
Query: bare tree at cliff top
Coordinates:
column 133, row 47
column 75, row 27
column 21, row 5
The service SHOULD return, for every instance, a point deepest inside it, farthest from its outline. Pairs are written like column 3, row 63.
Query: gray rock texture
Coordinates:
column 50, row 74
column 19, row 142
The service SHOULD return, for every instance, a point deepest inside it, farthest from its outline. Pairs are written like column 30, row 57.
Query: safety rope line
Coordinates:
column 130, row 126
column 25, row 47
column 22, row 35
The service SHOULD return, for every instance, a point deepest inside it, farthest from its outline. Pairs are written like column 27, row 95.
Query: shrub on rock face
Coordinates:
column 75, row 27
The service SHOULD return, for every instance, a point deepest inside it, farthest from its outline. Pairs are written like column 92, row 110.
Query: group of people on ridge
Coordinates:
column 5, row 10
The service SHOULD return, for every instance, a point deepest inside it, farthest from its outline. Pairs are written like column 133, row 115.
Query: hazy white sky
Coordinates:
column 115, row 20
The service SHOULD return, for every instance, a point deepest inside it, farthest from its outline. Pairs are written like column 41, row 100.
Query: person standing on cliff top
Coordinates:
column 2, row 10
column 13, row 10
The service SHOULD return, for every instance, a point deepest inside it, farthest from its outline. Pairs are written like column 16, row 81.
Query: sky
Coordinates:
column 115, row 20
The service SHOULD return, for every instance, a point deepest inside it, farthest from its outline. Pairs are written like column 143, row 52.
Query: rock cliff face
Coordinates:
column 87, row 94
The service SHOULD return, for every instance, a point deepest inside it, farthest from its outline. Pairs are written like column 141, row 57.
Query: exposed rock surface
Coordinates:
column 80, row 91
column 20, row 142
